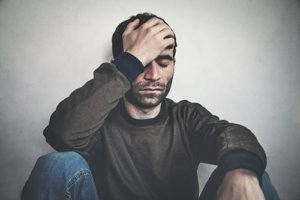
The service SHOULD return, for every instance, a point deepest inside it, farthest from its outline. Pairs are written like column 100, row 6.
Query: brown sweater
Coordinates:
column 143, row 159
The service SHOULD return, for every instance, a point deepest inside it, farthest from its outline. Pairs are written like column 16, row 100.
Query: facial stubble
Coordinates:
column 141, row 100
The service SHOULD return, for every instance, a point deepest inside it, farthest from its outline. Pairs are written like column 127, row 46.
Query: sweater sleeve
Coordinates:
column 225, row 144
column 241, row 159
column 73, row 124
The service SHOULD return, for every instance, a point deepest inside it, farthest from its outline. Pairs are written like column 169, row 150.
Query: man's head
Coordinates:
column 153, row 85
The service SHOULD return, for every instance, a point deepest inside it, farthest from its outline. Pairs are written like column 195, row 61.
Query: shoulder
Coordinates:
column 188, row 115
column 185, row 108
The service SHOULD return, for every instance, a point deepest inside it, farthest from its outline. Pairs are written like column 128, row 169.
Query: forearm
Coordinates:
column 81, row 114
column 240, row 184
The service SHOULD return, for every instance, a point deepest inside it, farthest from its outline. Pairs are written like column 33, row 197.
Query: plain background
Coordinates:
column 239, row 59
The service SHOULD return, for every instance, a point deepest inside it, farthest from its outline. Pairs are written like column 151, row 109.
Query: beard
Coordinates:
column 148, row 100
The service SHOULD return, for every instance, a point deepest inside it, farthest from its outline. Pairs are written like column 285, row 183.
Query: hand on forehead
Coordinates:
column 148, row 40
column 155, row 24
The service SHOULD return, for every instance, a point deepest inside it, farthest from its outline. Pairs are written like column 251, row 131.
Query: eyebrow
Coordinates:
column 162, row 57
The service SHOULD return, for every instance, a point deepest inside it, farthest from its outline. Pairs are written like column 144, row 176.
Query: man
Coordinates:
column 138, row 144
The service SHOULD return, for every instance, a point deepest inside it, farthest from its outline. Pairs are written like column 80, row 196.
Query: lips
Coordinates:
column 151, row 89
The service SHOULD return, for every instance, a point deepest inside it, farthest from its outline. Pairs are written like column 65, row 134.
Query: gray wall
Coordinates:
column 240, row 59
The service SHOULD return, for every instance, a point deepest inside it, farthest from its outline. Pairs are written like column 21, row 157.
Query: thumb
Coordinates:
column 132, row 26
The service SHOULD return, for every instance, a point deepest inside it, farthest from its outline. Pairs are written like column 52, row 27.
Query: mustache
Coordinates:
column 151, row 84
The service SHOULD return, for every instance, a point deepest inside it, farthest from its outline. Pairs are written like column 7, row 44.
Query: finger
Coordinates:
column 152, row 22
column 166, row 33
column 169, row 43
column 132, row 26
column 159, row 27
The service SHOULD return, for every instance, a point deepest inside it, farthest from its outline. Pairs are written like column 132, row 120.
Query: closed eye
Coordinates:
column 164, row 60
column 163, row 63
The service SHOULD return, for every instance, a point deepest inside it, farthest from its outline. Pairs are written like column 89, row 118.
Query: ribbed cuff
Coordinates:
column 242, row 159
column 129, row 65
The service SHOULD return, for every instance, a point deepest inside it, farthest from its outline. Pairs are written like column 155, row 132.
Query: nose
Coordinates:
column 151, row 72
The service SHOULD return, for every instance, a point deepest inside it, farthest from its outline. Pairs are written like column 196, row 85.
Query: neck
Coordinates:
column 140, row 113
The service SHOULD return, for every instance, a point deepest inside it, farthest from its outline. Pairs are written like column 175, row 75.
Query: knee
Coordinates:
column 62, row 160
column 52, row 174
column 67, row 155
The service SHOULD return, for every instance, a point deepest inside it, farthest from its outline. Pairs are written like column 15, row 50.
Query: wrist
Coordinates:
column 129, row 65
column 138, row 55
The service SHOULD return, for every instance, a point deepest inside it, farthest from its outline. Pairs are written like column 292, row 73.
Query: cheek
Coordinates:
column 138, row 79
column 168, row 73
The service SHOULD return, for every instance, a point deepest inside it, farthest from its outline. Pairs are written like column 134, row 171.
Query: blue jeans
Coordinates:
column 60, row 176
column 66, row 176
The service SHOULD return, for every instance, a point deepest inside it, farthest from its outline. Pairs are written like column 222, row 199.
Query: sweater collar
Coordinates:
column 143, row 122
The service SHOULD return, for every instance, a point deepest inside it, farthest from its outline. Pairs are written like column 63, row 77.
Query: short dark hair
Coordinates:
column 117, row 40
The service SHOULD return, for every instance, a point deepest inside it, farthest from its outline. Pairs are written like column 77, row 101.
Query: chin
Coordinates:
column 148, row 103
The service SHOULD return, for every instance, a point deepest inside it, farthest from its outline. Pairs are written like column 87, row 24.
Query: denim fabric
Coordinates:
column 60, row 176
column 268, row 188
column 66, row 176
